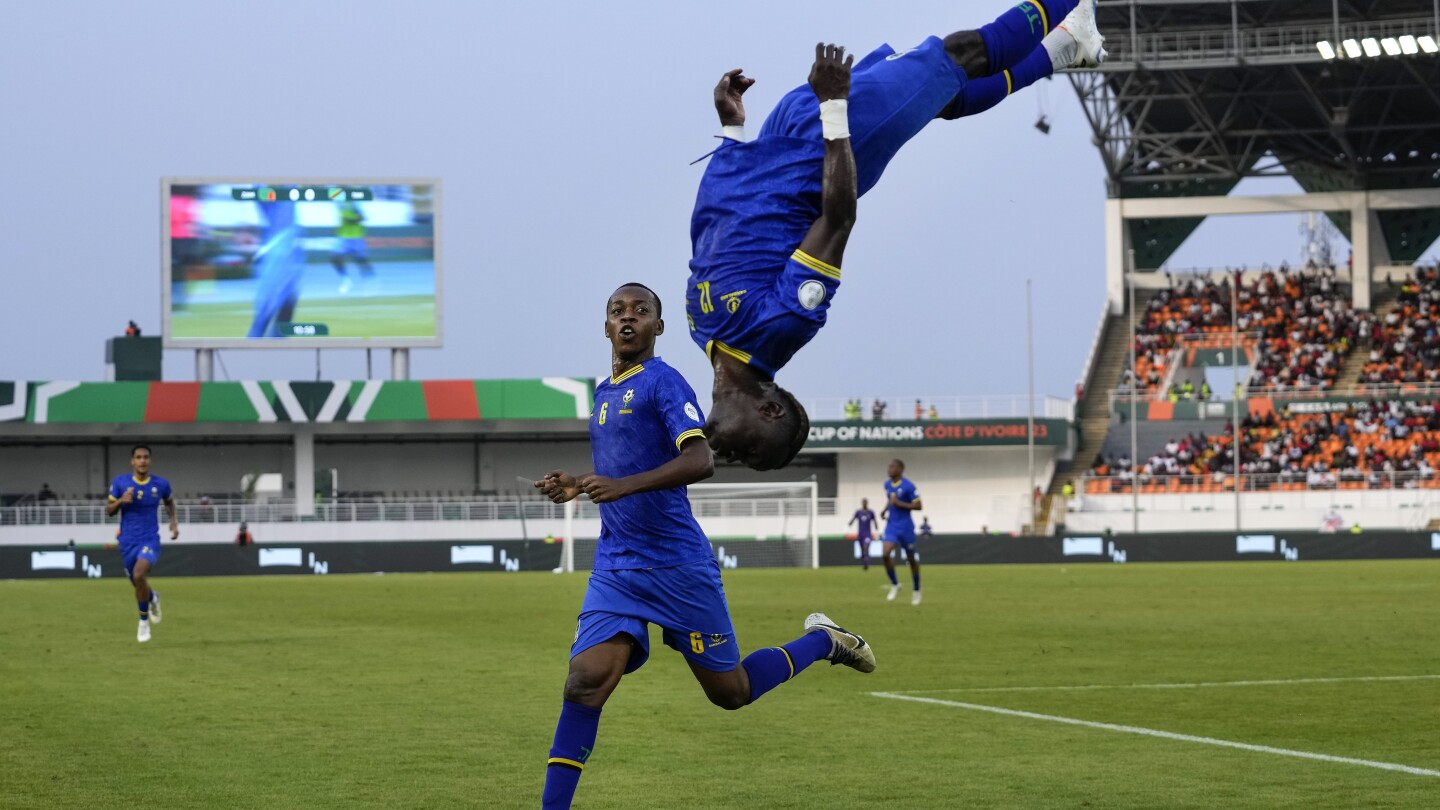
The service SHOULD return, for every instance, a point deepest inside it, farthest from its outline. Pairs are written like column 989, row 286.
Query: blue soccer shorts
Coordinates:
column 904, row 538
column 149, row 550
column 893, row 95
column 687, row 602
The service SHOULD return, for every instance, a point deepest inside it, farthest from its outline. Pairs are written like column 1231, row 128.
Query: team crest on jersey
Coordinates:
column 629, row 395
column 732, row 301
column 154, row 491
column 692, row 412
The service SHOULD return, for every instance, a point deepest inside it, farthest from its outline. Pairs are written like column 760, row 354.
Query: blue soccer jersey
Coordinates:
column 139, row 519
column 900, row 522
column 752, row 293
column 639, row 422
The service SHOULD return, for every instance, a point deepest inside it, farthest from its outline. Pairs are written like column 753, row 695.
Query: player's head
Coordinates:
column 864, row 503
column 763, row 427
column 632, row 321
column 896, row 468
column 140, row 458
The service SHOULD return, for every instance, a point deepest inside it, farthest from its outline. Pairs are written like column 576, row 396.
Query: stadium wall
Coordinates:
column 512, row 556
column 1402, row 509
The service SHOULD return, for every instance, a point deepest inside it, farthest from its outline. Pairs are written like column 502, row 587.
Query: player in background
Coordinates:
column 773, row 215
column 902, row 499
column 863, row 519
column 137, row 497
column 279, row 266
column 653, row 564
column 351, row 236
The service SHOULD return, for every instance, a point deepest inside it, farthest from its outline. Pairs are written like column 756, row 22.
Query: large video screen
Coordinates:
column 317, row 263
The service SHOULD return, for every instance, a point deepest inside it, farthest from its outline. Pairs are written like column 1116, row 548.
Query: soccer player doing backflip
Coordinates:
column 653, row 564
column 773, row 215
column 137, row 497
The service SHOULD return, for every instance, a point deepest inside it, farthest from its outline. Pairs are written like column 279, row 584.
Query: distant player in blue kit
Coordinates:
column 280, row 267
column 865, row 517
column 653, row 564
column 901, row 499
column 773, row 215
column 137, row 497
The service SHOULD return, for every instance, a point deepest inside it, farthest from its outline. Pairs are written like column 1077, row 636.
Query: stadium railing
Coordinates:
column 64, row 513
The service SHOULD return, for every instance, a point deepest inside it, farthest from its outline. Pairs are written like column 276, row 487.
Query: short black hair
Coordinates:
column 144, row 447
column 898, row 461
column 659, row 308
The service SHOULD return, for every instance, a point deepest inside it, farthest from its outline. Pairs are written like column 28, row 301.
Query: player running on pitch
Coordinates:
column 137, row 497
column 773, row 215
column 865, row 517
column 901, row 500
column 654, row 565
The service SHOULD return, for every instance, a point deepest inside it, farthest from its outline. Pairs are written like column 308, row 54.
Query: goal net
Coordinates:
column 764, row 525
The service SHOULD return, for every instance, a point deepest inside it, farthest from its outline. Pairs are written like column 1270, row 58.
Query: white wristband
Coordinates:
column 835, row 119
column 735, row 132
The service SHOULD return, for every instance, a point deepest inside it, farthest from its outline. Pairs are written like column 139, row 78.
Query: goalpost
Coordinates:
column 758, row 525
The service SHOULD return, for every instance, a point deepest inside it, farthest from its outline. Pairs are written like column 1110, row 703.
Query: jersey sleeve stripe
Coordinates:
column 679, row 440
column 713, row 345
column 113, row 498
column 815, row 264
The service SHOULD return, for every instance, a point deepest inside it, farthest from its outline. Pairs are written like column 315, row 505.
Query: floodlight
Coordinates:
column 1352, row 49
column 1372, row 46
column 1327, row 51
column 1392, row 48
column 1427, row 44
column 1408, row 46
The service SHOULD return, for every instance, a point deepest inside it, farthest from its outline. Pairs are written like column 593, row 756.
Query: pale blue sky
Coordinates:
column 562, row 132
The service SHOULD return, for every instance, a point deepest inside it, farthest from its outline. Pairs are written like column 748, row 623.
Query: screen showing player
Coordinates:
column 322, row 263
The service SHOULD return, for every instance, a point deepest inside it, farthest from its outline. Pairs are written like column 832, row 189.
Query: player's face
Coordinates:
column 754, row 443
column 894, row 470
column 140, row 462
column 632, row 322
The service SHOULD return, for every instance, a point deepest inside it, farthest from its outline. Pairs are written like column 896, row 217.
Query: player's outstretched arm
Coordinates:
column 174, row 525
column 695, row 463
column 830, row 79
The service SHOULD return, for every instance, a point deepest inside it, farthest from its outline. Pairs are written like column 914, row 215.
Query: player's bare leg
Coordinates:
column 139, row 575
column 728, row 690
column 889, row 558
column 594, row 674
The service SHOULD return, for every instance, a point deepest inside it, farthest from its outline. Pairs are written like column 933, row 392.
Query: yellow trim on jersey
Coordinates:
column 1009, row 83
column 679, row 440
column 563, row 761
column 138, row 481
column 628, row 374
column 788, row 660
column 113, row 498
column 1044, row 16
column 710, row 348
column 815, row 264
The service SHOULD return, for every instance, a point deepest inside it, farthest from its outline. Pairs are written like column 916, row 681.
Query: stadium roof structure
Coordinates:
column 1199, row 94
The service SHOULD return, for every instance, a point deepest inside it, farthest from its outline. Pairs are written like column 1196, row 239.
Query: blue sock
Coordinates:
column 890, row 572
column 144, row 609
column 574, row 740
column 916, row 576
column 1017, row 32
column 982, row 94
column 772, row 666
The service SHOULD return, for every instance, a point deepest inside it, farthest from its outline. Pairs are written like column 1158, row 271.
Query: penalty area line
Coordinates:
column 1166, row 735
column 1196, row 685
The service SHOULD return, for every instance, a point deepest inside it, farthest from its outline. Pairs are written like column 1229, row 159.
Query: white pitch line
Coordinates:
column 1167, row 735
column 1199, row 685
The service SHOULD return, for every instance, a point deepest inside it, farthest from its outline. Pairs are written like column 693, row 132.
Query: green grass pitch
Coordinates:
column 442, row 691
column 379, row 316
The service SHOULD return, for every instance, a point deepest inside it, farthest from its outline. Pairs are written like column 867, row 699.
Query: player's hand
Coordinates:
column 602, row 489
column 129, row 496
column 894, row 499
column 727, row 97
column 830, row 75
column 174, row 530
column 559, row 486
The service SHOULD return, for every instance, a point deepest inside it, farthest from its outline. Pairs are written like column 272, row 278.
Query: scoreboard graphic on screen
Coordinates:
column 300, row 263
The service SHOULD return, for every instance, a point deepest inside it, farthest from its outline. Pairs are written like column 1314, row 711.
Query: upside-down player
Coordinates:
column 773, row 215
column 137, row 497
column 654, row 565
